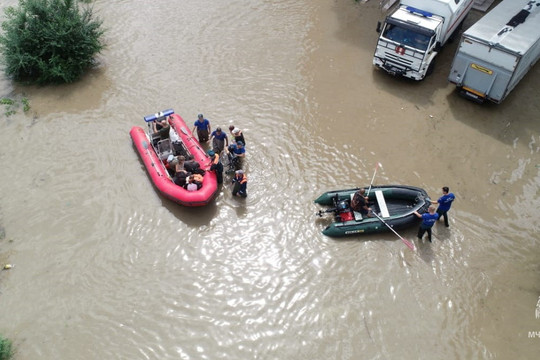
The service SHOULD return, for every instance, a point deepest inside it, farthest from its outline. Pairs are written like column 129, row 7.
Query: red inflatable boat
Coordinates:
column 154, row 153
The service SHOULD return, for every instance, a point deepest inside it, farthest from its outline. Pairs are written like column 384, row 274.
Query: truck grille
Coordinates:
column 398, row 59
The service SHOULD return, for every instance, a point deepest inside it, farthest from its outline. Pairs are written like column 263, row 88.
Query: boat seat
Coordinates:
column 382, row 204
column 179, row 148
column 164, row 148
column 357, row 215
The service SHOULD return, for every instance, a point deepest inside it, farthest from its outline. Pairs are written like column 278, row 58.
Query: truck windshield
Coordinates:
column 406, row 36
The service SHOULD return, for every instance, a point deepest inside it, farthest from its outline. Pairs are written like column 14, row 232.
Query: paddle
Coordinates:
column 407, row 242
column 373, row 178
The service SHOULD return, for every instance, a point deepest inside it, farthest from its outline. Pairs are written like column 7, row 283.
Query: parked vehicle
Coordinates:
column 495, row 53
column 414, row 33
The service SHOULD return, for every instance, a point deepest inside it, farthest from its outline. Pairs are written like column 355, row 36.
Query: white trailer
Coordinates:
column 495, row 53
column 414, row 33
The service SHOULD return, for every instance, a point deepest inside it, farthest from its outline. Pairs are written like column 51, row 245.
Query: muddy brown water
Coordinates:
column 106, row 268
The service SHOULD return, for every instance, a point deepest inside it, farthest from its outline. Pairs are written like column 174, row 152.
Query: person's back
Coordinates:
column 191, row 165
column 172, row 161
column 216, row 166
column 180, row 164
column 238, row 135
column 445, row 202
column 180, row 177
column 163, row 129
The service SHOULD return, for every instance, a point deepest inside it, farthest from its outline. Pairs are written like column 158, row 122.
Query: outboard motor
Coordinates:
column 342, row 206
column 343, row 211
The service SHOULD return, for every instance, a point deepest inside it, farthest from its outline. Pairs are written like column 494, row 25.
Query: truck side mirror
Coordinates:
column 378, row 27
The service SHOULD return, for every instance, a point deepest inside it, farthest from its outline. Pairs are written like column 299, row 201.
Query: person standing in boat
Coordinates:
column 219, row 140
column 216, row 166
column 359, row 203
column 445, row 202
column 239, row 184
column 162, row 128
column 237, row 134
column 203, row 128
column 428, row 219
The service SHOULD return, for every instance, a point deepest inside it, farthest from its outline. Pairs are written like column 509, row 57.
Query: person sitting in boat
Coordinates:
column 216, row 166
column 170, row 165
column 194, row 182
column 181, row 159
column 193, row 166
column 180, row 178
column 359, row 203
column 191, row 185
column 219, row 140
column 175, row 164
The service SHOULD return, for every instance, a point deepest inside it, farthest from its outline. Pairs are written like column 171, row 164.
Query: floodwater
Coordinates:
column 106, row 268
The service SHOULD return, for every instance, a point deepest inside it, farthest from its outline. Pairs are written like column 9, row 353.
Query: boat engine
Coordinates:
column 343, row 211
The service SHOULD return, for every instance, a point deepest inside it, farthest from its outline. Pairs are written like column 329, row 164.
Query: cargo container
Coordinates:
column 497, row 51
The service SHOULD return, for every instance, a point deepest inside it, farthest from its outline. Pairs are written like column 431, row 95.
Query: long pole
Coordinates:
column 407, row 242
column 373, row 178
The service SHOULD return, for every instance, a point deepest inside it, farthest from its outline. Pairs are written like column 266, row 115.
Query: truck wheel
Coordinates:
column 430, row 68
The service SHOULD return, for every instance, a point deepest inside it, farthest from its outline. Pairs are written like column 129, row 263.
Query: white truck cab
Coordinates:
column 413, row 34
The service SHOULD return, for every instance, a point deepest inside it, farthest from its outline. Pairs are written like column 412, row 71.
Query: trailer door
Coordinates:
column 488, row 70
column 478, row 79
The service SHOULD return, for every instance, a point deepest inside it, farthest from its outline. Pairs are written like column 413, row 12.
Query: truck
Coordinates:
column 414, row 33
column 497, row 51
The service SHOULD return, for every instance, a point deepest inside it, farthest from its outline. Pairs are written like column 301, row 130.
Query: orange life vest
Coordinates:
column 242, row 179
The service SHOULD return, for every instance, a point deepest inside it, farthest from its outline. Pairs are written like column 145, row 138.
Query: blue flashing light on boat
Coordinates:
column 158, row 115
column 418, row 11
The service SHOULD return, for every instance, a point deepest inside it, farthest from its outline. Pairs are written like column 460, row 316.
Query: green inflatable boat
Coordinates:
column 393, row 205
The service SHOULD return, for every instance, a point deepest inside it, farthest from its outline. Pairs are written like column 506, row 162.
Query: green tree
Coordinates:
column 6, row 352
column 49, row 41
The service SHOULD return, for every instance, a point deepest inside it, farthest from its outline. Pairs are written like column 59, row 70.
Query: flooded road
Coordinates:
column 106, row 268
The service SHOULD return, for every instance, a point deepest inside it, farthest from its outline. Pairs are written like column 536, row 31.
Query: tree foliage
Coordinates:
column 49, row 41
column 6, row 351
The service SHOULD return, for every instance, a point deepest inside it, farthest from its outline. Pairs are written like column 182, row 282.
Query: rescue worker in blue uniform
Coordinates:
column 445, row 202
column 428, row 219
